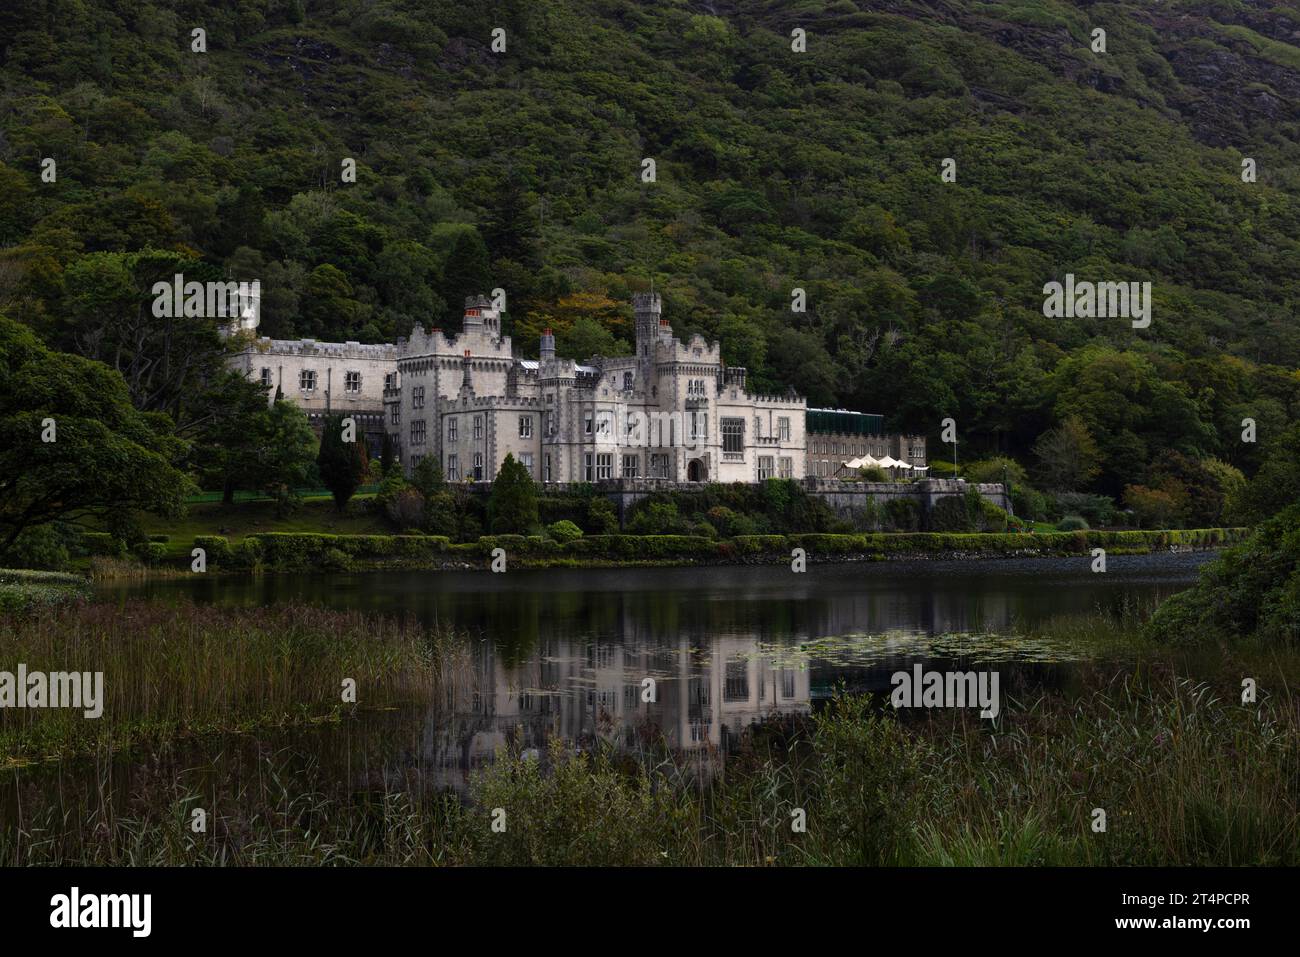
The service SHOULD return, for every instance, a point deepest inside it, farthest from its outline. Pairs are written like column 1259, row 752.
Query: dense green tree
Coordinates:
column 1277, row 483
column 465, row 273
column 74, row 444
column 478, row 171
column 1068, row 457
column 512, row 505
column 427, row 476
column 342, row 463
column 227, row 445
column 285, row 454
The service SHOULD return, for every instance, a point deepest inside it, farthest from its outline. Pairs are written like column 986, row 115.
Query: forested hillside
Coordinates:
column 775, row 169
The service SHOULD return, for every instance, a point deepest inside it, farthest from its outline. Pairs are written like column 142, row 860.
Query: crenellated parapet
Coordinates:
column 489, row 402
column 786, row 401
column 331, row 350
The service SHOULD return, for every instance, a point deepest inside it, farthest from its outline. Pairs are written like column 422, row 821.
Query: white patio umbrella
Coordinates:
column 866, row 462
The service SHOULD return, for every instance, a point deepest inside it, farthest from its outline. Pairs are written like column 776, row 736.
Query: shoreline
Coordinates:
column 317, row 552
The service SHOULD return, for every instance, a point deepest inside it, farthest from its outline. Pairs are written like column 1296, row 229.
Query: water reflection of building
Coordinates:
column 705, row 694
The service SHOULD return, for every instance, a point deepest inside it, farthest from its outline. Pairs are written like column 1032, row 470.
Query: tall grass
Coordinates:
column 1185, row 771
column 1186, row 774
column 181, row 668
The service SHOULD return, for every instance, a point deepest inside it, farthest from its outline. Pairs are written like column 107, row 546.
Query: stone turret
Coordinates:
column 646, row 308
column 480, row 314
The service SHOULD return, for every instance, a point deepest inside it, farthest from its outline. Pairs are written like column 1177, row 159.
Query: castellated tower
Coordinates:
column 646, row 308
column 479, row 314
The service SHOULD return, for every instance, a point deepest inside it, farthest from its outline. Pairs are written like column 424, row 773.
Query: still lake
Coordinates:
column 566, row 652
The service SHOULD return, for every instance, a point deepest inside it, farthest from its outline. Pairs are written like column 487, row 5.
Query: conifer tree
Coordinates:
column 512, row 506
column 342, row 464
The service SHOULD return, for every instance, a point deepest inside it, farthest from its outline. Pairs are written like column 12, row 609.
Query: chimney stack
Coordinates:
column 547, row 347
column 467, row 384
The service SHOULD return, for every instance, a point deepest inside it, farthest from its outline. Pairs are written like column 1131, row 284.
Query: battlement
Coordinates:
column 778, row 401
column 333, row 350
column 505, row 402
column 478, row 339
column 646, row 302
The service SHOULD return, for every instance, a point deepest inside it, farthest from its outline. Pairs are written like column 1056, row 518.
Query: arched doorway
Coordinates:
column 697, row 470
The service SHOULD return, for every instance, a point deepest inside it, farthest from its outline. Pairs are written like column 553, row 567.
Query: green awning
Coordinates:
column 843, row 422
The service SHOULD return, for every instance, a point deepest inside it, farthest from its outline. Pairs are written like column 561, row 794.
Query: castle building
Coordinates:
column 673, row 411
column 326, row 378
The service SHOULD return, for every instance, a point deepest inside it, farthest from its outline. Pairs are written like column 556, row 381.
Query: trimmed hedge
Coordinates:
column 305, row 550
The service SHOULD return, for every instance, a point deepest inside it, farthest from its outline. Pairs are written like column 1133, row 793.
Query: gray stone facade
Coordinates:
column 673, row 412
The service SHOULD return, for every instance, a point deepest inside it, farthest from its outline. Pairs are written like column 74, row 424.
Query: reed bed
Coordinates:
column 175, row 669
column 1186, row 774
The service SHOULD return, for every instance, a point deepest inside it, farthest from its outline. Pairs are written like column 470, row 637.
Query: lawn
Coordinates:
column 247, row 518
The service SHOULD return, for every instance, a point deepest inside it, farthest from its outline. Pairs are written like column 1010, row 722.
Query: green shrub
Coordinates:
column 1072, row 523
column 564, row 531
column 248, row 553
column 1251, row 591
column 648, row 547
column 217, row 548
column 43, row 546
column 512, row 506
column 151, row 553
column 821, row 544
column 902, row 515
column 1029, row 503
column 656, row 518
column 992, row 518
column 335, row 560
column 951, row 514
column 601, row 517
column 997, row 469
column 729, row 522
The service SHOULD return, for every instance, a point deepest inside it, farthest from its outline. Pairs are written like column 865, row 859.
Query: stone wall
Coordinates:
column 844, row 498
